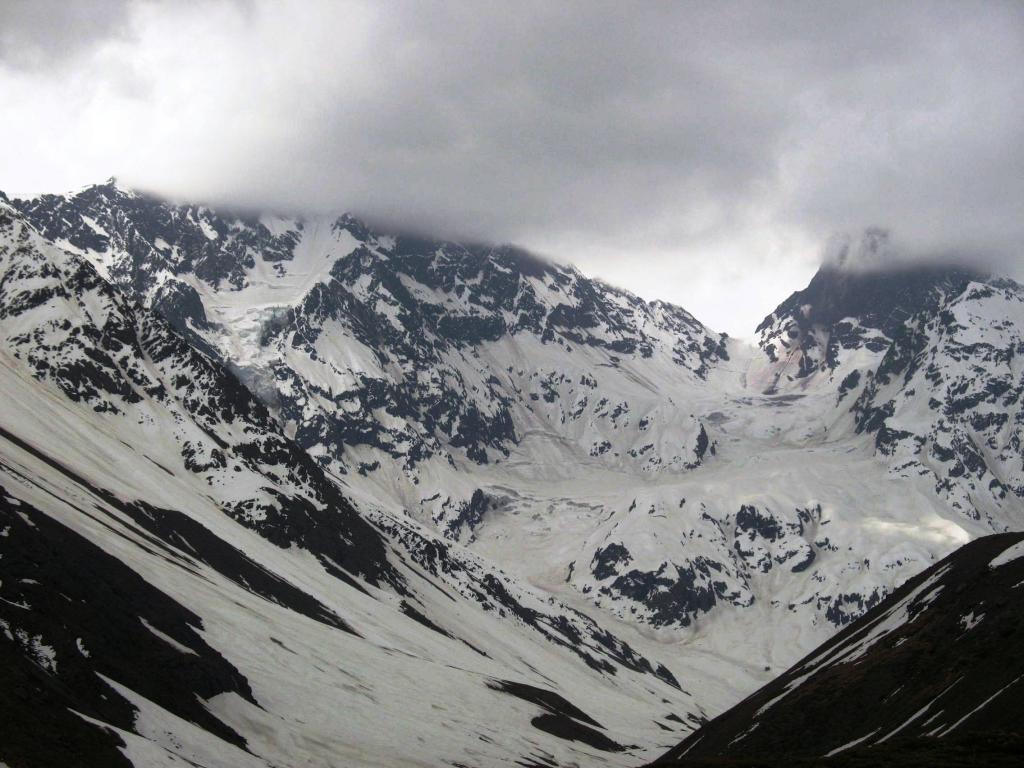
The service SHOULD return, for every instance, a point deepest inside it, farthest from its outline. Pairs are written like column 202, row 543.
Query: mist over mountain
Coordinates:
column 538, row 385
column 678, row 152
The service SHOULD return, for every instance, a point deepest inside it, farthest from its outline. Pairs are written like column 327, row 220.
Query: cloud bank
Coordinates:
column 700, row 153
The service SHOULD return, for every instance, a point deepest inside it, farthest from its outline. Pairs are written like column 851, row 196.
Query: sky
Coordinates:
column 702, row 153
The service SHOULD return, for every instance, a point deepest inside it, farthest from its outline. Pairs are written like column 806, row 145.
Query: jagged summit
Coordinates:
column 878, row 299
column 882, row 298
column 863, row 295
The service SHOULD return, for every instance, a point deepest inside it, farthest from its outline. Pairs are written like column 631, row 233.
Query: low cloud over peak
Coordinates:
column 684, row 152
column 876, row 250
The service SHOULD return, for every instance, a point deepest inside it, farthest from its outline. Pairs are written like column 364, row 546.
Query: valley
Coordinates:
column 382, row 482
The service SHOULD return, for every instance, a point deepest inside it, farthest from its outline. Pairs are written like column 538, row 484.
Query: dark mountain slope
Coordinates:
column 939, row 659
column 76, row 618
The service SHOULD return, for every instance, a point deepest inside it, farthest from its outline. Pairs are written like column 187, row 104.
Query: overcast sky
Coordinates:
column 695, row 152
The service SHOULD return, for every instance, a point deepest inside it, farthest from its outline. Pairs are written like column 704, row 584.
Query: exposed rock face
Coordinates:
column 947, row 399
column 844, row 310
column 73, row 329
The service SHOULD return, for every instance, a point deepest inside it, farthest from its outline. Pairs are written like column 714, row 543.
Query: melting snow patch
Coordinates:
column 208, row 230
column 1008, row 555
column 920, row 712
column 855, row 648
column 969, row 621
column 692, row 746
column 167, row 638
column 91, row 223
column 745, row 733
column 44, row 655
column 853, row 743
column 913, row 717
column 983, row 704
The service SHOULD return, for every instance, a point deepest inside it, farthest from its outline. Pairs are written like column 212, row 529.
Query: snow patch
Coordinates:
column 1008, row 555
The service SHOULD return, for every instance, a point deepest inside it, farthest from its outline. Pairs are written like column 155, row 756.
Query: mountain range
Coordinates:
column 296, row 491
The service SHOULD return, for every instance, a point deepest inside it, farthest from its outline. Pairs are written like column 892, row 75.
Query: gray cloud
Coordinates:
column 690, row 151
column 42, row 34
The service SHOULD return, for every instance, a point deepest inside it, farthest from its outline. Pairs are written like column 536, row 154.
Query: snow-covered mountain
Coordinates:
column 181, row 582
column 374, row 342
column 929, row 357
column 495, row 452
column 936, row 663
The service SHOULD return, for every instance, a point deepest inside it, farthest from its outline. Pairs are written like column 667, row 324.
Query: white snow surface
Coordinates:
column 1009, row 555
